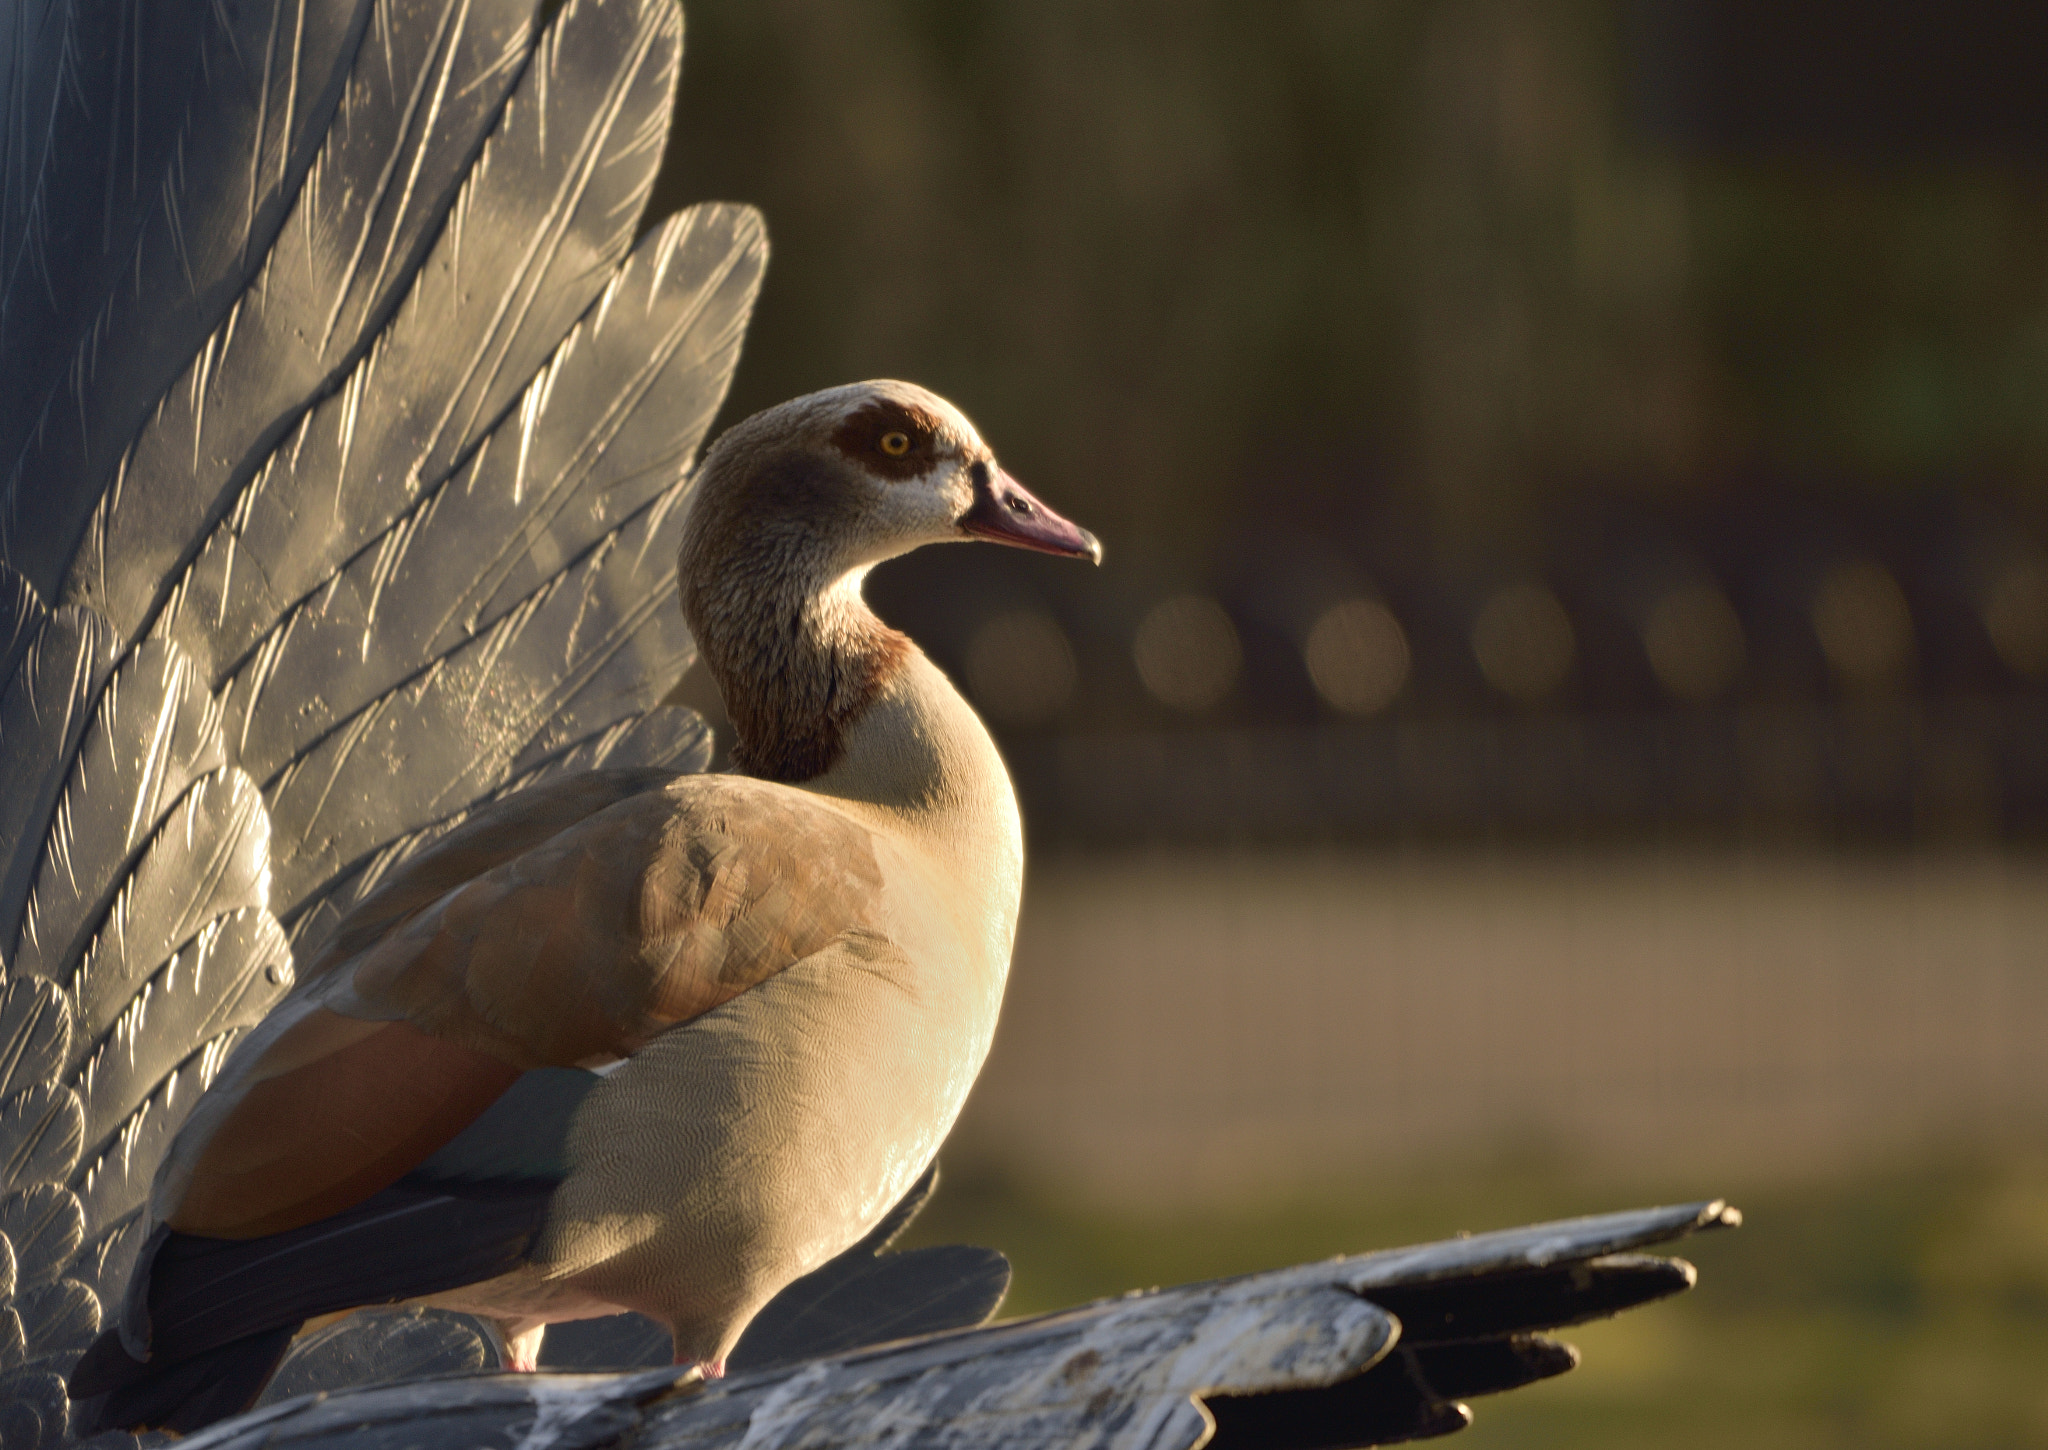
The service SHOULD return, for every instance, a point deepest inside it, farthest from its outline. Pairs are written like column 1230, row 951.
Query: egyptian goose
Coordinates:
column 636, row 1040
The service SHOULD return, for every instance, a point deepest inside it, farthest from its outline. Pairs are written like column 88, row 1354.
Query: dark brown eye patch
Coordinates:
column 890, row 439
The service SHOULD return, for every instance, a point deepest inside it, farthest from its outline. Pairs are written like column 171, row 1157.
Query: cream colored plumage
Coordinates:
column 703, row 1176
column 787, row 978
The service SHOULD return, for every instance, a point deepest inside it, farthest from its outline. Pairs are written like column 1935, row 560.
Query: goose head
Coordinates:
column 831, row 484
column 792, row 508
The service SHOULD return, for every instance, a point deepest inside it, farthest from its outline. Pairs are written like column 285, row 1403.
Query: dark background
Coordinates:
column 1646, row 407
column 1578, row 307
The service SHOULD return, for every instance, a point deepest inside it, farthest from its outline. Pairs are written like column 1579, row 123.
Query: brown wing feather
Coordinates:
column 567, row 930
column 492, row 834
column 337, row 1110
column 645, row 914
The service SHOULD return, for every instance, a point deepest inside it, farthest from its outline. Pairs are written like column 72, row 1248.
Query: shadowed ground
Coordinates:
column 1212, row 1065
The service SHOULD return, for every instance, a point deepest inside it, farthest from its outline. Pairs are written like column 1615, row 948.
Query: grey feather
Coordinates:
column 106, row 1261
column 35, row 1033
column 144, row 948
column 376, row 1347
column 42, row 1130
column 42, row 715
column 421, row 94
column 21, row 615
column 208, row 859
column 58, row 1317
column 622, row 409
column 667, row 737
column 113, row 1187
column 582, row 451
column 618, row 614
column 222, row 980
column 150, row 154
column 155, row 731
column 489, row 303
column 32, row 1409
column 599, row 644
column 857, row 1301
column 46, row 1229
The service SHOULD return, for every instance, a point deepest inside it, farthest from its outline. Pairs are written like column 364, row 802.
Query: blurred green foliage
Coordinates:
column 1892, row 1308
column 1182, row 259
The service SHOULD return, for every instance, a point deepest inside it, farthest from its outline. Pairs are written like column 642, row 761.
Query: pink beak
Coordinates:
column 1005, row 513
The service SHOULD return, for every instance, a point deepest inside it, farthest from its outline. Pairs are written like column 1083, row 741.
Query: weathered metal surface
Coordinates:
column 1504, row 1303
column 346, row 428
column 379, row 1346
column 378, row 193
column 151, row 155
column 1295, row 1359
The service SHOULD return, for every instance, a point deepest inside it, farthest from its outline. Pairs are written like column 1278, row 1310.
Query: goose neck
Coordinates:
column 797, row 667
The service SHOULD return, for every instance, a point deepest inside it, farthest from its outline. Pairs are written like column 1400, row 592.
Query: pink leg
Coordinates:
column 522, row 1349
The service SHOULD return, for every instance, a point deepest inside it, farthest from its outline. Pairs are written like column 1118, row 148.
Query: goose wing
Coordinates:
column 493, row 955
column 398, row 1126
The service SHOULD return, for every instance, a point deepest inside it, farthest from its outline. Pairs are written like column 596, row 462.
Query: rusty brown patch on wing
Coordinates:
column 356, row 1106
column 625, row 923
column 860, row 438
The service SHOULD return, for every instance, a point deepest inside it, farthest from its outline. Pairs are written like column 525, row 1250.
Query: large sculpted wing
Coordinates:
column 345, row 419
column 1378, row 1349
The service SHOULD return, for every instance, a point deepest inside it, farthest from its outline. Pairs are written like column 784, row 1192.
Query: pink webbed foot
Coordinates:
column 711, row 1369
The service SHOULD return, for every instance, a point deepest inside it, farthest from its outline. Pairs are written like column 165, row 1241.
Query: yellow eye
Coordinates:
column 895, row 444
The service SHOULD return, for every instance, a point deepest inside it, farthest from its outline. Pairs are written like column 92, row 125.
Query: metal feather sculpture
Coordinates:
column 1375, row 1350
column 346, row 419
column 345, row 425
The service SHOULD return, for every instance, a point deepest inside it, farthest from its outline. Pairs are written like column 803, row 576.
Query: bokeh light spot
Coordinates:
column 2016, row 617
column 1523, row 641
column 1694, row 641
column 1357, row 655
column 1864, row 626
column 1187, row 653
column 1020, row 668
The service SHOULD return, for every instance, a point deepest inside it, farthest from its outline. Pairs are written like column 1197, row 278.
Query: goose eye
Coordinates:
column 895, row 444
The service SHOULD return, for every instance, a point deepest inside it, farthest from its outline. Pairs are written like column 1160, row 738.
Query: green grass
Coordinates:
column 1905, row 1307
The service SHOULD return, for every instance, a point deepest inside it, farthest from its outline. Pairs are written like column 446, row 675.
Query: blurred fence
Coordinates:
column 1227, row 1025
column 1872, row 771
